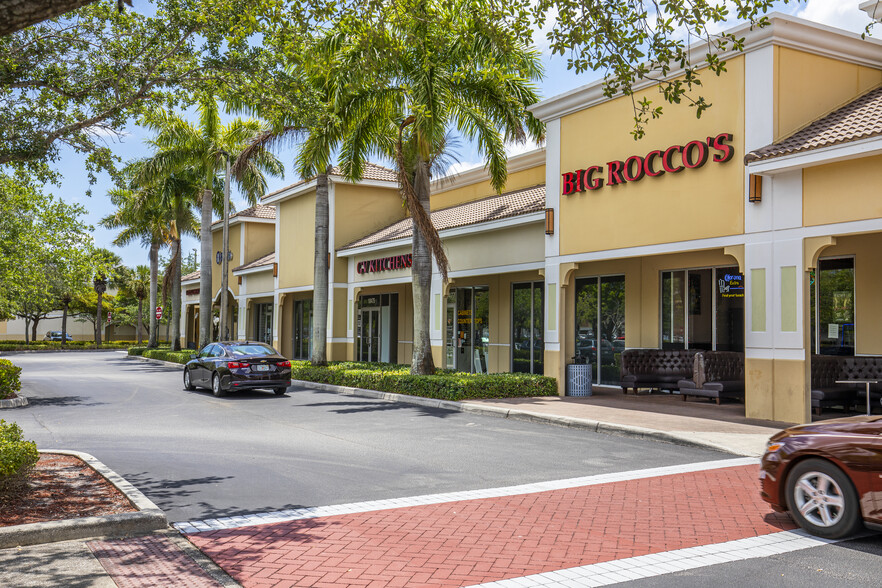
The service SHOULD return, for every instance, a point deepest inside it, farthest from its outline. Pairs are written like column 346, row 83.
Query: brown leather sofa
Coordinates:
column 658, row 369
column 716, row 375
column 827, row 369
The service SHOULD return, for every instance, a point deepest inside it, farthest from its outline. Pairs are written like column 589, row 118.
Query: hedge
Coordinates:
column 9, row 381
column 9, row 345
column 163, row 354
column 444, row 385
column 17, row 458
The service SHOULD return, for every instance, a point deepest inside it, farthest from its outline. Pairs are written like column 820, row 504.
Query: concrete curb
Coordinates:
column 524, row 415
column 148, row 518
column 17, row 402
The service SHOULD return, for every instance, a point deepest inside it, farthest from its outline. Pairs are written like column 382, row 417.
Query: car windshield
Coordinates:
column 252, row 349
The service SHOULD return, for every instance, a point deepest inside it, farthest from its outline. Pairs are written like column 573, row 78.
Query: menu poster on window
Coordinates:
column 833, row 331
column 731, row 285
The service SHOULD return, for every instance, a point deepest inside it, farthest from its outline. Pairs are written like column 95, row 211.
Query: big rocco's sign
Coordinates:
column 672, row 160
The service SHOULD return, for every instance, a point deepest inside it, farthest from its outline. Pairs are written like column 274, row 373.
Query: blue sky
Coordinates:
column 838, row 13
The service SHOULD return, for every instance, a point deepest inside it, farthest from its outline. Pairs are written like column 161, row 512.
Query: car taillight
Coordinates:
column 285, row 363
column 237, row 364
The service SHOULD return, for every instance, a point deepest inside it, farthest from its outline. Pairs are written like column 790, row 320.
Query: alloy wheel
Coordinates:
column 819, row 499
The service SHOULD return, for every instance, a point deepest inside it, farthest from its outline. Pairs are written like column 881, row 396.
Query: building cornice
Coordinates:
column 823, row 155
column 302, row 188
column 783, row 31
column 475, row 175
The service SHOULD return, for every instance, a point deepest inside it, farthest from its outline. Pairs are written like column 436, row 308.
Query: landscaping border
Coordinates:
column 17, row 402
column 148, row 518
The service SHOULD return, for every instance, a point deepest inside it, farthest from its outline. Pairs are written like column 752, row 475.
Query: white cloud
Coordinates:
column 842, row 14
column 461, row 166
column 512, row 149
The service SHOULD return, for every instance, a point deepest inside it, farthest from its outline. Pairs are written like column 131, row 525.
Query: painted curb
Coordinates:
column 17, row 402
column 148, row 518
column 523, row 415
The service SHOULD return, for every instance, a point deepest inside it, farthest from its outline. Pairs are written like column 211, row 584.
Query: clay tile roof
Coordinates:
column 372, row 171
column 505, row 205
column 268, row 259
column 859, row 119
column 259, row 211
column 190, row 277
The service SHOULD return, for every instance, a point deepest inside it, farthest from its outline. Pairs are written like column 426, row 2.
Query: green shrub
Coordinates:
column 163, row 354
column 9, row 381
column 17, row 459
column 443, row 384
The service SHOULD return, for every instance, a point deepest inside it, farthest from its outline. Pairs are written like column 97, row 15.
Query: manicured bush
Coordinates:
column 44, row 345
column 9, row 381
column 17, row 459
column 164, row 354
column 443, row 384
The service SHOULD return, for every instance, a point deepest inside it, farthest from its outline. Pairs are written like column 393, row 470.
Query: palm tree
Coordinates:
column 205, row 150
column 137, row 284
column 425, row 67
column 140, row 217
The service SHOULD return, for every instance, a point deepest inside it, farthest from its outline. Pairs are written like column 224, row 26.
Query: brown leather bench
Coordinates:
column 659, row 369
column 827, row 369
column 716, row 375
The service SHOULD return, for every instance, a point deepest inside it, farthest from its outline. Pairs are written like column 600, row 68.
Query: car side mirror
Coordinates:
column 192, row 356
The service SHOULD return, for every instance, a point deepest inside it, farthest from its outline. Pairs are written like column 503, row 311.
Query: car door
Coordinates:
column 201, row 376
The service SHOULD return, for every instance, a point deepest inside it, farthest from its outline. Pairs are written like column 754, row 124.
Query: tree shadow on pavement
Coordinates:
column 168, row 493
column 68, row 564
column 62, row 401
column 369, row 406
column 137, row 365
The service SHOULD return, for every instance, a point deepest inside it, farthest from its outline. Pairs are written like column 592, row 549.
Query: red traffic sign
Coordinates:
column 108, row 318
column 158, row 312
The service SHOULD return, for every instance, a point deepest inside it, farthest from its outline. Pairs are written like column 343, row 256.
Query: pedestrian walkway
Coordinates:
column 487, row 539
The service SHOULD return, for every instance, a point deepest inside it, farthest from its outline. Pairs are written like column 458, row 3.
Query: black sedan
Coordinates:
column 235, row 365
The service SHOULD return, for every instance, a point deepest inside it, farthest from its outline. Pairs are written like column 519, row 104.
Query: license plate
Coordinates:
column 260, row 368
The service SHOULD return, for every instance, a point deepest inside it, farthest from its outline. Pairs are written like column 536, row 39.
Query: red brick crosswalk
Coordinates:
column 473, row 541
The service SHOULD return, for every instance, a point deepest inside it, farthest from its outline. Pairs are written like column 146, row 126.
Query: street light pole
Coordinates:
column 225, row 262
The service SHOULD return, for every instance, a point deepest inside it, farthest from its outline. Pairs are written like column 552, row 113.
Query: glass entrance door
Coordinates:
column 527, row 327
column 263, row 324
column 832, row 307
column 378, row 328
column 468, row 351
column 370, row 334
column 600, row 325
column 703, row 309
column 302, row 344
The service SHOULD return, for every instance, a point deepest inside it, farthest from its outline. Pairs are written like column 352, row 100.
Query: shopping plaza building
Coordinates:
column 756, row 228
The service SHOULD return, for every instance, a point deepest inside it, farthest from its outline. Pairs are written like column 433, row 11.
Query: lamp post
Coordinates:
column 225, row 262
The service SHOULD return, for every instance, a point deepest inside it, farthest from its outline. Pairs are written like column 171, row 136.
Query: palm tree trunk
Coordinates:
column 140, row 318
column 154, row 281
column 320, row 277
column 205, row 293
column 176, row 296
column 422, row 362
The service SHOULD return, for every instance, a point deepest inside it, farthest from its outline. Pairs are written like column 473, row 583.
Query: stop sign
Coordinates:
column 158, row 312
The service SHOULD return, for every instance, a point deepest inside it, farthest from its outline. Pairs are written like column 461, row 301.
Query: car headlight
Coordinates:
column 773, row 446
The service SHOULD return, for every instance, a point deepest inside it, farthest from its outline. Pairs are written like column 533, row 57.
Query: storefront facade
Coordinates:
column 664, row 243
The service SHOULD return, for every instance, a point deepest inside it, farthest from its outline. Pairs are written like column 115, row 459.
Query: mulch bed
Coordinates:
column 63, row 487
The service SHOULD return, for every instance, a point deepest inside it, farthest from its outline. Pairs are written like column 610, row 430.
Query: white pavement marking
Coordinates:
column 373, row 505
column 669, row 562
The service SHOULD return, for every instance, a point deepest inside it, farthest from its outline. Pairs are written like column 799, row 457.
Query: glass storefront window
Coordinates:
column 263, row 324
column 468, row 348
column 302, row 344
column 377, row 328
column 703, row 309
column 600, row 325
column 832, row 307
column 527, row 328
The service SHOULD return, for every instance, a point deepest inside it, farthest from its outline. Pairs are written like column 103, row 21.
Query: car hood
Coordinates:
column 856, row 424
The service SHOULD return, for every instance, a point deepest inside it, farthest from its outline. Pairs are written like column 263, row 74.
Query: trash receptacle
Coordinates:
column 578, row 377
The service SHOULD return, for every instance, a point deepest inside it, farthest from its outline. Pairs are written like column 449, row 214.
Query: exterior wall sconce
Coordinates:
column 275, row 270
column 756, row 188
column 549, row 221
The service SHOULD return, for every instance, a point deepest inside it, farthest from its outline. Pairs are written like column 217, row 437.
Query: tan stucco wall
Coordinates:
column 868, row 283
column 361, row 210
column 338, row 314
column 692, row 204
column 444, row 197
column 259, row 282
column 520, row 244
column 296, row 218
column 260, row 240
column 825, row 199
column 808, row 86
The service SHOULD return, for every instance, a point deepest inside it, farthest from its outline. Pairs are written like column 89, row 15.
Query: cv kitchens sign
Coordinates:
column 384, row 264
column 672, row 160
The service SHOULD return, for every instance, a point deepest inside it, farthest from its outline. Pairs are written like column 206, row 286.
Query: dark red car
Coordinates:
column 237, row 365
column 827, row 475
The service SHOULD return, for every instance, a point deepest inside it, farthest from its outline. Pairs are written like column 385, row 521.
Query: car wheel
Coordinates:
column 188, row 384
column 822, row 500
column 279, row 391
column 216, row 385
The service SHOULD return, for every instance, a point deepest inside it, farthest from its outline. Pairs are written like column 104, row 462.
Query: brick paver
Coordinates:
column 475, row 541
column 141, row 562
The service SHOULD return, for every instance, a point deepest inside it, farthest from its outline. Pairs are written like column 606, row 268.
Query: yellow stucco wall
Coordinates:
column 809, row 86
column 259, row 282
column 444, row 197
column 520, row 244
column 260, row 240
column 361, row 210
column 692, row 204
column 868, row 283
column 858, row 202
column 296, row 217
column 338, row 314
